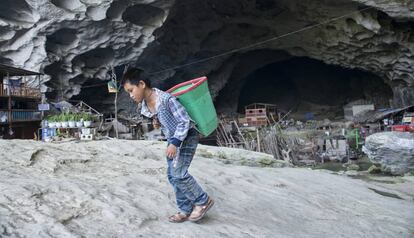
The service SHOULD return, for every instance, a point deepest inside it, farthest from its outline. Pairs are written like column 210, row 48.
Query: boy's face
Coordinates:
column 136, row 92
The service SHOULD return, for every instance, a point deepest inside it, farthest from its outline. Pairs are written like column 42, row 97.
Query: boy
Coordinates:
column 182, row 137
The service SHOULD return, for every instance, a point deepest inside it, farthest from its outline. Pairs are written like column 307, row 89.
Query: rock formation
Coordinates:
column 394, row 151
column 76, row 42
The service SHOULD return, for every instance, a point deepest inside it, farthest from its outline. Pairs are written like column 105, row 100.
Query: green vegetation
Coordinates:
column 221, row 155
column 67, row 116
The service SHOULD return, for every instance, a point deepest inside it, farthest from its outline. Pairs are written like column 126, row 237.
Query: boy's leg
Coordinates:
column 184, row 204
column 180, row 177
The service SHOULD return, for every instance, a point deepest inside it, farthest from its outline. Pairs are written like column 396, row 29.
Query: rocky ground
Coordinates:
column 119, row 189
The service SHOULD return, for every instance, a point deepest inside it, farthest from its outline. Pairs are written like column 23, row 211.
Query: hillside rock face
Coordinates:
column 76, row 42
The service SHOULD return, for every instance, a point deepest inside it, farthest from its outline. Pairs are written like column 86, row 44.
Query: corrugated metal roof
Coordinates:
column 374, row 116
column 13, row 71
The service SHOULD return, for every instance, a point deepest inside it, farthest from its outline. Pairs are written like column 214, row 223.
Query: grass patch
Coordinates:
column 205, row 154
column 266, row 162
column 222, row 155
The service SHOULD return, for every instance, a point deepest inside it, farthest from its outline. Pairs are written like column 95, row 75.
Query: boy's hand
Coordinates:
column 171, row 151
column 155, row 123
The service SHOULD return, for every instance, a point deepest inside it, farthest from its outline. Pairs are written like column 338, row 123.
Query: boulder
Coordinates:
column 394, row 151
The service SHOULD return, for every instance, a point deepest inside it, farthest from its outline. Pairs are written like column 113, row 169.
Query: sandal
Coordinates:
column 199, row 211
column 178, row 218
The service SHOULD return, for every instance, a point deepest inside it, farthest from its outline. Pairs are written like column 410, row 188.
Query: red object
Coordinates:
column 401, row 128
column 196, row 82
column 256, row 117
column 410, row 128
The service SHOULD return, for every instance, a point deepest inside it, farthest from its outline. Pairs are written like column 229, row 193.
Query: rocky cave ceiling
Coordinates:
column 75, row 42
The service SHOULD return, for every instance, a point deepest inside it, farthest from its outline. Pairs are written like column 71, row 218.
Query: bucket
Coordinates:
column 45, row 134
column 195, row 97
column 48, row 133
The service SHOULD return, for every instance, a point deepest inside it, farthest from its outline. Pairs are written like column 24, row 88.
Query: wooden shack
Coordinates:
column 260, row 114
column 20, row 96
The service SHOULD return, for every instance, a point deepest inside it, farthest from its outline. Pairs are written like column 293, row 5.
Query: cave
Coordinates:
column 312, row 177
column 302, row 85
column 359, row 49
column 144, row 15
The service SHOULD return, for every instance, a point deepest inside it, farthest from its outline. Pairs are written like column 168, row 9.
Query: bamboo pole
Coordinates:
column 9, row 103
column 115, row 81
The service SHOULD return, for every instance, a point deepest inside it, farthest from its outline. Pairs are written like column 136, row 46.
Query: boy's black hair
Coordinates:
column 134, row 75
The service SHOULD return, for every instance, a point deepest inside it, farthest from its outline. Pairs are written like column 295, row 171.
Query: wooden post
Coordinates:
column 241, row 135
column 43, row 99
column 9, row 103
column 258, row 139
column 276, row 142
column 116, row 100
column 224, row 134
column 116, row 113
column 1, row 86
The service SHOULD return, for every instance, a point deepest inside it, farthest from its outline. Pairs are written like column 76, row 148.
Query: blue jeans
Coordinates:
column 187, row 191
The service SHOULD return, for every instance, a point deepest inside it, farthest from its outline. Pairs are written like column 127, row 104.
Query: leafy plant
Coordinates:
column 77, row 117
column 71, row 117
column 63, row 117
column 52, row 118
column 87, row 117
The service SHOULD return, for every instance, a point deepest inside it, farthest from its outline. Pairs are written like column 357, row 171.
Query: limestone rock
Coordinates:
column 118, row 188
column 393, row 150
column 75, row 42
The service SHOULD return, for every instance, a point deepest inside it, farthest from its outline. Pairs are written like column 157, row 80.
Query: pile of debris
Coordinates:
column 297, row 143
column 264, row 128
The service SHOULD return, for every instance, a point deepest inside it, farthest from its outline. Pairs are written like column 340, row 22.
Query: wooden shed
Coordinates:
column 260, row 114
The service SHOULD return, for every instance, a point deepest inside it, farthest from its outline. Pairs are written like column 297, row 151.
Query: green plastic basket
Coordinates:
column 195, row 97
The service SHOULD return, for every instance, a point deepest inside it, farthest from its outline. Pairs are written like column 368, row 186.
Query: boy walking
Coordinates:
column 165, row 110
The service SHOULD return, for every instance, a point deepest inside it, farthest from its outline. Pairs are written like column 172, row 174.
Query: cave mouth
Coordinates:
column 303, row 85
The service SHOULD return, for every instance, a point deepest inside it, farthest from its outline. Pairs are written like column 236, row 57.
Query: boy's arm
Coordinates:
column 181, row 115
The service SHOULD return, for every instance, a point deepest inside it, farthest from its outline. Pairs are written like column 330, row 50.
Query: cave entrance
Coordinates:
column 311, row 87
